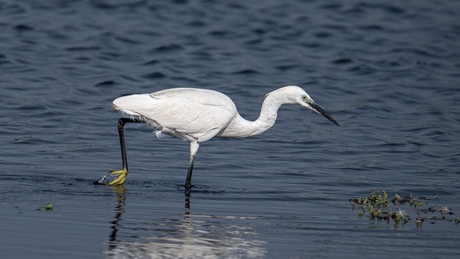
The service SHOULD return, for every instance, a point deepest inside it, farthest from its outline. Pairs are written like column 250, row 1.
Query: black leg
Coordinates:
column 118, row 177
column 194, row 145
column 188, row 182
column 121, row 135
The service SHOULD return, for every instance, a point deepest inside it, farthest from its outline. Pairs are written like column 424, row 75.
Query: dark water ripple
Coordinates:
column 387, row 71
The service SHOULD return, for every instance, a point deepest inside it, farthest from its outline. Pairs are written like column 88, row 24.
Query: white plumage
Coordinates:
column 198, row 115
column 185, row 113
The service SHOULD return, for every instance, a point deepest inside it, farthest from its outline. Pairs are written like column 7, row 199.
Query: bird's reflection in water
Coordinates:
column 119, row 190
column 193, row 236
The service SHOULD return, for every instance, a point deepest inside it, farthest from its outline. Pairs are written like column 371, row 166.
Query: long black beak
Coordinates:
column 323, row 112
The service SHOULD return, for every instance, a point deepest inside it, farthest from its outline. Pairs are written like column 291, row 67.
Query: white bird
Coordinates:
column 197, row 115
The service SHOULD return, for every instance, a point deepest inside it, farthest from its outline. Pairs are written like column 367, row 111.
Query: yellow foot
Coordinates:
column 114, row 177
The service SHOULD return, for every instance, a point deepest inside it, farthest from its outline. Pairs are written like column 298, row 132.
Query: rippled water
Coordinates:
column 388, row 72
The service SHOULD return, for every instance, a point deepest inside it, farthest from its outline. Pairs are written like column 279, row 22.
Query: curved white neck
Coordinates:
column 240, row 128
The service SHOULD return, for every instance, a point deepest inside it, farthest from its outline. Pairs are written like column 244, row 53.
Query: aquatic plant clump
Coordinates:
column 378, row 207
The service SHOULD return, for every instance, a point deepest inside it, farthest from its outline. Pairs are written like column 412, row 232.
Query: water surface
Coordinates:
column 387, row 72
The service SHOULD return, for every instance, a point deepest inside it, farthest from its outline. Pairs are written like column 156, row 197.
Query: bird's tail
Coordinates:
column 132, row 105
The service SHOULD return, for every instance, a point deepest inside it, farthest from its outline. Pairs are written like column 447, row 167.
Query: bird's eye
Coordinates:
column 304, row 97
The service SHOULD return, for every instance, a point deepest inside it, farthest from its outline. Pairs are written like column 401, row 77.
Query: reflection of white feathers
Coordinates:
column 193, row 238
column 168, row 247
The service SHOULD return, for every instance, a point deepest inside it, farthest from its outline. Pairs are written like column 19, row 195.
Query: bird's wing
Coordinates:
column 201, row 121
column 200, row 115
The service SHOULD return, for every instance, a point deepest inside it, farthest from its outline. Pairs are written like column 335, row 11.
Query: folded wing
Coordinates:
column 186, row 113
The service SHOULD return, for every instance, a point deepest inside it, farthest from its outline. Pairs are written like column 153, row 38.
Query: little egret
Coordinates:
column 197, row 115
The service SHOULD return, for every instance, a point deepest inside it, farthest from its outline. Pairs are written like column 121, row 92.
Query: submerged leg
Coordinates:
column 193, row 149
column 118, row 177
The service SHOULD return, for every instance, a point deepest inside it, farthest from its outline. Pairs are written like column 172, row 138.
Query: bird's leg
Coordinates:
column 193, row 149
column 118, row 177
column 188, row 182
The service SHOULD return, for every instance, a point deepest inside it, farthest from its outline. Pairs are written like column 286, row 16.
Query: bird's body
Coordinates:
column 181, row 112
column 198, row 115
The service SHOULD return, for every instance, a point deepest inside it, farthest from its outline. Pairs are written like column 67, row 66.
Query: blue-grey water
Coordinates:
column 387, row 71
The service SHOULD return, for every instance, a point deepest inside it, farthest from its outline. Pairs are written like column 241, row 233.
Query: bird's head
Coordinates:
column 297, row 95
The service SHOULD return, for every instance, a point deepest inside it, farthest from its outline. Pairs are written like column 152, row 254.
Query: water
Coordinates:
column 387, row 72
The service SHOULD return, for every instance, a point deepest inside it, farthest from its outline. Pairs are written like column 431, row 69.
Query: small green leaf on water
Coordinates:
column 49, row 207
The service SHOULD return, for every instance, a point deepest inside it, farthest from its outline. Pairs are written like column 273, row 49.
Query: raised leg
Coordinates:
column 118, row 177
column 121, row 135
column 193, row 149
